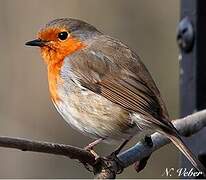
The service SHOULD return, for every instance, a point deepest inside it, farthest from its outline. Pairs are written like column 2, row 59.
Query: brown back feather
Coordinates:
column 109, row 68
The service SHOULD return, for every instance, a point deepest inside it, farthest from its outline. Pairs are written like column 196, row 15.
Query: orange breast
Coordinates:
column 54, row 78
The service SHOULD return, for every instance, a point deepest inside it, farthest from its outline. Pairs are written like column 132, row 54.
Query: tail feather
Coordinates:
column 176, row 139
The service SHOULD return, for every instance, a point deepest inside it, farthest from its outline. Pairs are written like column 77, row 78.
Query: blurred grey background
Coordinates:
column 149, row 27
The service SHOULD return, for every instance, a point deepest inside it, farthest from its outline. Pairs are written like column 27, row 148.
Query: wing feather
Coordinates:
column 112, row 70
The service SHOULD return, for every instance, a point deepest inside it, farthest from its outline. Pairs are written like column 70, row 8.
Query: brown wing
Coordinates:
column 112, row 70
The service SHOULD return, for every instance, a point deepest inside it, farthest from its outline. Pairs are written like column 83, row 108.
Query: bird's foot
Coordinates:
column 91, row 146
column 90, row 149
column 113, row 157
column 117, row 151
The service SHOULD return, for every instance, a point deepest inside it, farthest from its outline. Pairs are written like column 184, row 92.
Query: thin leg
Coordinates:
column 113, row 155
column 119, row 148
column 90, row 147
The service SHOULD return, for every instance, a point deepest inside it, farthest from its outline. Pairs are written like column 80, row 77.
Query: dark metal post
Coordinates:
column 192, row 43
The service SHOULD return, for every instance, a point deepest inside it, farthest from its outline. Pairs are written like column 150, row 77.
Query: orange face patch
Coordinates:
column 54, row 54
column 55, row 49
column 50, row 34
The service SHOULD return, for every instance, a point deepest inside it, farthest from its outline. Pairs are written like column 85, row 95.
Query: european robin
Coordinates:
column 101, row 87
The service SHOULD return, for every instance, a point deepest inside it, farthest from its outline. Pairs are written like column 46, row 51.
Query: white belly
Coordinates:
column 94, row 115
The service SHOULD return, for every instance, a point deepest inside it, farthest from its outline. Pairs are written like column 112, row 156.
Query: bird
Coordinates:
column 101, row 87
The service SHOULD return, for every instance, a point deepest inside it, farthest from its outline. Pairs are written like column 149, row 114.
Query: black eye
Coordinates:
column 63, row 35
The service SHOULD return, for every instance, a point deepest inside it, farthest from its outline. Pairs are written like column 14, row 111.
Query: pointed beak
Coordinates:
column 36, row 42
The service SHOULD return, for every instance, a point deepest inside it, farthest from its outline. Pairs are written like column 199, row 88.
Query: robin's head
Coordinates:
column 61, row 37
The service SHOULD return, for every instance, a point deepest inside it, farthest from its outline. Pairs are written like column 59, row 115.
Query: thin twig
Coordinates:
column 48, row 147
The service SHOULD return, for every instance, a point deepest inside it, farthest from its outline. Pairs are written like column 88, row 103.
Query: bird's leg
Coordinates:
column 113, row 155
column 91, row 145
column 119, row 148
column 89, row 148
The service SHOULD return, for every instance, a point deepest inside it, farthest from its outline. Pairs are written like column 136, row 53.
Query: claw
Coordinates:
column 90, row 147
column 113, row 157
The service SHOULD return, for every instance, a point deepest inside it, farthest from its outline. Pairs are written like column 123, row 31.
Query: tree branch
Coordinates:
column 48, row 147
column 108, row 168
